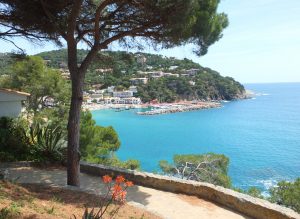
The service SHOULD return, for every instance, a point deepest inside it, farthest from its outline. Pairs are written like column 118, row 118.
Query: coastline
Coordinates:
column 94, row 106
column 180, row 107
column 158, row 108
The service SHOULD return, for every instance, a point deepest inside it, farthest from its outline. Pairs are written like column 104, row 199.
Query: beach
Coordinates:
column 157, row 108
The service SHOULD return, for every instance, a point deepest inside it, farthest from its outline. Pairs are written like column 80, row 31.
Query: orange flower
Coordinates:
column 117, row 188
column 106, row 179
column 120, row 179
column 129, row 183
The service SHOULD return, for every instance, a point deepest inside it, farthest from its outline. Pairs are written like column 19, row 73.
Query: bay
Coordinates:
column 261, row 136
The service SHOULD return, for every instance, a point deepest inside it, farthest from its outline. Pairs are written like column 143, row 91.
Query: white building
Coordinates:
column 192, row 72
column 105, row 70
column 171, row 75
column 111, row 89
column 11, row 102
column 123, row 94
column 117, row 100
column 173, row 67
column 156, row 74
column 137, row 81
column 133, row 89
column 96, row 96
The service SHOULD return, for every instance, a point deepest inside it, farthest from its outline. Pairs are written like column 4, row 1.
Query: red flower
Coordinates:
column 129, row 183
column 120, row 179
column 106, row 179
column 117, row 188
column 117, row 191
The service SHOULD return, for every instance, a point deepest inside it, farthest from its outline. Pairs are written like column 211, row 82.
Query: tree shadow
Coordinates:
column 57, row 177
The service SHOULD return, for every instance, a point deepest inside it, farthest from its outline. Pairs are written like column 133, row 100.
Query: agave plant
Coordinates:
column 48, row 141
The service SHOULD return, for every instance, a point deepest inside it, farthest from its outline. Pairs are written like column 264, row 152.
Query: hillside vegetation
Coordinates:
column 206, row 84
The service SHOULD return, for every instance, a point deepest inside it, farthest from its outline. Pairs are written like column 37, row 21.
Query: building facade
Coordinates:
column 11, row 102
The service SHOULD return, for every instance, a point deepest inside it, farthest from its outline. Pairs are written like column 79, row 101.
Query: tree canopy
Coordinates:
column 209, row 167
column 167, row 22
column 33, row 76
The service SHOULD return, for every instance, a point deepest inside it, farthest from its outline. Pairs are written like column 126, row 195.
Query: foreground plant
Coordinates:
column 116, row 193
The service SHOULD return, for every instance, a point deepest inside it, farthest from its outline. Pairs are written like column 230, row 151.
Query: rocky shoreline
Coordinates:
column 175, row 108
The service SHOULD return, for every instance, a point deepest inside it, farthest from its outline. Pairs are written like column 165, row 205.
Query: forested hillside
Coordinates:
column 117, row 68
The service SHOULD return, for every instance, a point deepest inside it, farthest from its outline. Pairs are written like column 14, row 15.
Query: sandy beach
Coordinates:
column 158, row 108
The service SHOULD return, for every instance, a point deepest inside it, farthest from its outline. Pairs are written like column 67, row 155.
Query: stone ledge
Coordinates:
column 245, row 204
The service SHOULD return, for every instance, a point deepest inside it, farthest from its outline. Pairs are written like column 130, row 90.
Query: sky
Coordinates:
column 260, row 45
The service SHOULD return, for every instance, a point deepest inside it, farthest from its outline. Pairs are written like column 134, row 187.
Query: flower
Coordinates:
column 120, row 179
column 117, row 188
column 129, row 183
column 106, row 179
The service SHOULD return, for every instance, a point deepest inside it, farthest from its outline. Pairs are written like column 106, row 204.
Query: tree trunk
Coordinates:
column 74, row 129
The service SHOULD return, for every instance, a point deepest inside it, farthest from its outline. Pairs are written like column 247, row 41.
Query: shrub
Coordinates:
column 13, row 211
column 287, row 194
column 14, row 144
column 211, row 168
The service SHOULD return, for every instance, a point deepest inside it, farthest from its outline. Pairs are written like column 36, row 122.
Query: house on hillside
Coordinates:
column 123, row 94
column 11, row 102
column 138, row 81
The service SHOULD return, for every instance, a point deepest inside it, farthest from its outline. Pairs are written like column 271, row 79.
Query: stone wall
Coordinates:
column 253, row 207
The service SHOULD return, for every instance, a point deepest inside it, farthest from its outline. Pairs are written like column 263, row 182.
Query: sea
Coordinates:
column 261, row 135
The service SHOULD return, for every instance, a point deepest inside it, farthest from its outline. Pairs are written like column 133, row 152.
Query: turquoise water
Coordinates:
column 261, row 136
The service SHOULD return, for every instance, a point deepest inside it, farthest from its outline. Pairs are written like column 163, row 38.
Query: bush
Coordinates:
column 287, row 194
column 14, row 144
column 39, row 142
column 211, row 168
column 98, row 144
column 252, row 191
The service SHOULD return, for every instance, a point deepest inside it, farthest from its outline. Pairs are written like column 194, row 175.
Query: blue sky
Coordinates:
column 261, row 44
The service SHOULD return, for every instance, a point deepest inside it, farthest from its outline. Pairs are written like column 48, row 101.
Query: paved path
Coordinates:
column 165, row 204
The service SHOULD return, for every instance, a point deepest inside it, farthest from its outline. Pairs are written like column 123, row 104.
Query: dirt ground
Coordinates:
column 33, row 201
column 164, row 204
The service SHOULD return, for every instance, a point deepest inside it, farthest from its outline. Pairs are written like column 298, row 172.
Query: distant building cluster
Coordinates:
column 111, row 96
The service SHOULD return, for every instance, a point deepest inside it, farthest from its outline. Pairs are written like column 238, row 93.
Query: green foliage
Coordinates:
column 252, row 191
column 32, row 76
column 96, row 140
column 165, row 23
column 14, row 145
column 98, row 144
column 90, row 214
column 47, row 141
column 40, row 142
column 209, row 84
column 209, row 167
column 287, row 194
column 13, row 211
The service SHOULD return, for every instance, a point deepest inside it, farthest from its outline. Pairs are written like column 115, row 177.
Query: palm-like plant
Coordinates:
column 48, row 141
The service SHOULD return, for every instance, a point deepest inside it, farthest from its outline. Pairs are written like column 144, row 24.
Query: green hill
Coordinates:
column 117, row 68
